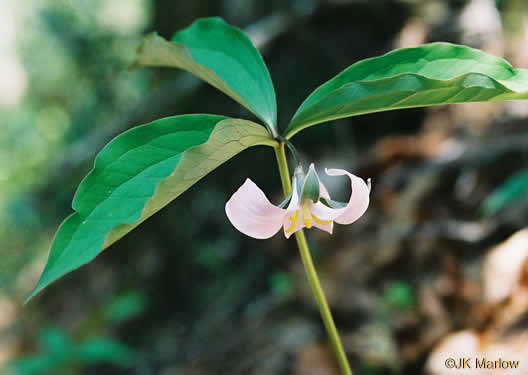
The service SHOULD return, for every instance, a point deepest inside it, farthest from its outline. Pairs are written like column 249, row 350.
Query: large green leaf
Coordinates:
column 437, row 73
column 221, row 55
column 137, row 174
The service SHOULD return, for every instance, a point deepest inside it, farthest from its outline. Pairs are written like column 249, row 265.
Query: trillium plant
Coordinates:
column 145, row 168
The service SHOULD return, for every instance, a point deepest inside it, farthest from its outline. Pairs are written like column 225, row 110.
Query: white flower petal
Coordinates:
column 252, row 213
column 299, row 224
column 292, row 209
column 326, row 227
column 359, row 198
column 326, row 213
column 295, row 203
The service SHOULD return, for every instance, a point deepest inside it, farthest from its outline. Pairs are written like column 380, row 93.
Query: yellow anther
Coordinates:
column 293, row 219
column 319, row 221
column 307, row 216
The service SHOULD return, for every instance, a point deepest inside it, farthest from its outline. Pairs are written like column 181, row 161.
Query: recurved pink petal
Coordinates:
column 252, row 213
column 359, row 198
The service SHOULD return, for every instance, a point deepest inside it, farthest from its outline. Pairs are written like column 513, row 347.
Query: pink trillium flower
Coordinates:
column 309, row 206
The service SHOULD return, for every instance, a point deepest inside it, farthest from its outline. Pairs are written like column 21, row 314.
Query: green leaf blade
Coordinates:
column 132, row 179
column 221, row 55
column 162, row 141
column 432, row 74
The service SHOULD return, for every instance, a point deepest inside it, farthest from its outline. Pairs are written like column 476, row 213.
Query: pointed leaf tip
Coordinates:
column 432, row 74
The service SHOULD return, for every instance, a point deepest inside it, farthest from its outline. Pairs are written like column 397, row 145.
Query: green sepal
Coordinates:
column 298, row 179
column 310, row 188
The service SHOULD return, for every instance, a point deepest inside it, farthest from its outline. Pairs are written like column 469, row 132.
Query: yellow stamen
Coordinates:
column 319, row 221
column 307, row 216
column 293, row 219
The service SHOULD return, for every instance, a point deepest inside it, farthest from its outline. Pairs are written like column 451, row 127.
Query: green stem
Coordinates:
column 283, row 168
column 311, row 273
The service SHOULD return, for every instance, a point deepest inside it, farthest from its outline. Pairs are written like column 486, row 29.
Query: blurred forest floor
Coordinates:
column 437, row 267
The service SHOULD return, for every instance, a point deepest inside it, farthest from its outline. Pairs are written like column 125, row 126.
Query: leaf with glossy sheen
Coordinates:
column 137, row 174
column 221, row 55
column 432, row 74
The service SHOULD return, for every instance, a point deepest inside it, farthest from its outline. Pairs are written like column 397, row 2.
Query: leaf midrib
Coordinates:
column 346, row 85
column 85, row 216
column 243, row 68
column 298, row 128
column 514, row 72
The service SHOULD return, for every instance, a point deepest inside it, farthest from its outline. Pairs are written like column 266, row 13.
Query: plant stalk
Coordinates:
column 311, row 273
column 284, row 171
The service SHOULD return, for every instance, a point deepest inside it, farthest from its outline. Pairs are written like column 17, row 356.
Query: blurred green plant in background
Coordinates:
column 400, row 295
column 515, row 188
column 63, row 353
column 63, row 77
